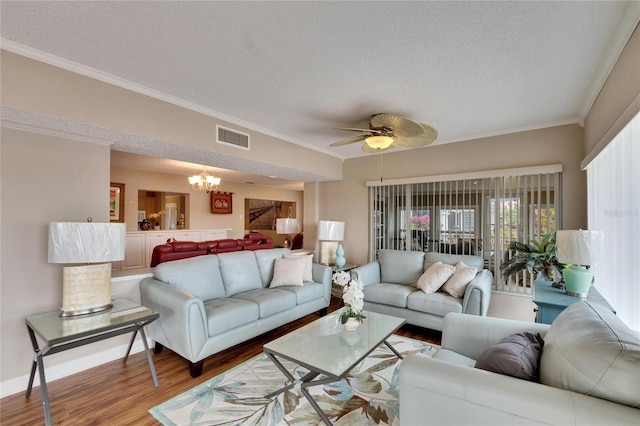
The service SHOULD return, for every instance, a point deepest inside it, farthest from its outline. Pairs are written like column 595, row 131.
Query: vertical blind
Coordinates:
column 613, row 180
column 467, row 215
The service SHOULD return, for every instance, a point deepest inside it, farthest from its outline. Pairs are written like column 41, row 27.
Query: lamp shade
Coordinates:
column 86, row 242
column 329, row 230
column 577, row 247
column 286, row 225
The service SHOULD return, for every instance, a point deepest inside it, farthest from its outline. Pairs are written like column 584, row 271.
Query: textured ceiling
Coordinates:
column 296, row 70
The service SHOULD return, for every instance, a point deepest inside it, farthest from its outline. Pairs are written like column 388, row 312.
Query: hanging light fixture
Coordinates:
column 379, row 142
column 204, row 182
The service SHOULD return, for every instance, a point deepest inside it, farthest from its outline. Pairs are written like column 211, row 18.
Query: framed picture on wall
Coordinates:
column 116, row 202
column 221, row 202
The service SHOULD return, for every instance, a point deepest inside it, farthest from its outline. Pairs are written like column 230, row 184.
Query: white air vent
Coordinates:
column 232, row 137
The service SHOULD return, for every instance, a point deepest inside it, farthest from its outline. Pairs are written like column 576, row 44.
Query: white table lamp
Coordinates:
column 330, row 233
column 86, row 288
column 286, row 226
column 577, row 248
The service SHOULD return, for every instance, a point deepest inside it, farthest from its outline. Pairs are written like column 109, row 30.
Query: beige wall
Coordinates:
column 43, row 179
column 347, row 200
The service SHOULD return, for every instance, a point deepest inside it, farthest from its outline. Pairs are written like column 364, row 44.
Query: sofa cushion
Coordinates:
column 434, row 277
column 388, row 294
column 199, row 276
column 288, row 271
column 266, row 260
column 226, row 314
column 458, row 282
column 517, row 355
column 239, row 271
column 438, row 304
column 270, row 301
column 453, row 259
column 306, row 293
column 589, row 350
column 308, row 265
column 400, row 266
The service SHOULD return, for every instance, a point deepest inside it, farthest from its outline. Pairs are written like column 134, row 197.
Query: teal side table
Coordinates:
column 551, row 301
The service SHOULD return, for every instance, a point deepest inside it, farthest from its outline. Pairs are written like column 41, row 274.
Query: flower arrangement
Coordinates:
column 352, row 296
column 420, row 222
column 156, row 216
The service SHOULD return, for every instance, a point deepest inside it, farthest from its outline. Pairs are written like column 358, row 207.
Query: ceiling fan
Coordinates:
column 388, row 130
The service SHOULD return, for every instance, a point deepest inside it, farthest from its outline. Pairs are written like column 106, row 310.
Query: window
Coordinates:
column 613, row 179
column 477, row 215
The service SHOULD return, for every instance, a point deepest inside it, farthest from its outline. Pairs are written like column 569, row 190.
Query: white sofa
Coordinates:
column 390, row 287
column 589, row 374
column 212, row 302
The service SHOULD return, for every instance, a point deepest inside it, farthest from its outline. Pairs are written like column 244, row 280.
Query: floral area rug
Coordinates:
column 367, row 396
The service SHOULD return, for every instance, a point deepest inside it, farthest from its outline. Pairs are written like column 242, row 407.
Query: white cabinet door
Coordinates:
column 153, row 239
column 187, row 235
column 213, row 234
column 134, row 252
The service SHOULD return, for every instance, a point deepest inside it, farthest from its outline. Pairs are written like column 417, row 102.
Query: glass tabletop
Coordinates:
column 325, row 346
column 53, row 328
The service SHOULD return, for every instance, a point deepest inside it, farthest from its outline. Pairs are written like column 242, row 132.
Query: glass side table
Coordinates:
column 63, row 333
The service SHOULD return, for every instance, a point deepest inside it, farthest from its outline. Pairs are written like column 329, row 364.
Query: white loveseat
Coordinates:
column 589, row 374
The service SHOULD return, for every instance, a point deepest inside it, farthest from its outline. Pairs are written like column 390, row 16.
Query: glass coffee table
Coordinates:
column 327, row 350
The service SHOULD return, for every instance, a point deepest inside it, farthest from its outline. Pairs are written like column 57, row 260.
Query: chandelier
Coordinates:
column 204, row 182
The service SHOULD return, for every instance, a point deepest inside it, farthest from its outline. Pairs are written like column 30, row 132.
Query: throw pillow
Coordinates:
column 288, row 271
column 457, row 284
column 434, row 277
column 308, row 265
column 517, row 356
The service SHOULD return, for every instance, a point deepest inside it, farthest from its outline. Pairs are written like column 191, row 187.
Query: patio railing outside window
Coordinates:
column 466, row 214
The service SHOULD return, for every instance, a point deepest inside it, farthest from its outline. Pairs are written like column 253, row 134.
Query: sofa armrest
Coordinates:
column 443, row 393
column 368, row 273
column 478, row 294
column 182, row 324
column 322, row 274
column 470, row 335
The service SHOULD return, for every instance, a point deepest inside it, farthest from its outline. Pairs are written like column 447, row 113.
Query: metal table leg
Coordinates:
column 149, row 359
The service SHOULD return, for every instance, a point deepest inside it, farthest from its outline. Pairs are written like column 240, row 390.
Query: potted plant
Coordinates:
column 538, row 258
column 156, row 218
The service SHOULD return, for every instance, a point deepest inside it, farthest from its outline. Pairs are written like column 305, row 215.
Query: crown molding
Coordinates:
column 104, row 77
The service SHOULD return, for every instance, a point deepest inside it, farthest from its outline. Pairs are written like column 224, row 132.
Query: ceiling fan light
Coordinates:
column 379, row 142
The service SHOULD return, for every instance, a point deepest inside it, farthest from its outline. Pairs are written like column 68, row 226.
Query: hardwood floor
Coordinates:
column 120, row 394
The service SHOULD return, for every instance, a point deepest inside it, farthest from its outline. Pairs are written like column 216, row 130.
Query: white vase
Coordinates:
column 157, row 227
column 352, row 324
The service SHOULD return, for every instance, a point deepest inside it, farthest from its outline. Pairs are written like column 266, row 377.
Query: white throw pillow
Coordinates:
column 457, row 284
column 434, row 277
column 288, row 271
column 308, row 266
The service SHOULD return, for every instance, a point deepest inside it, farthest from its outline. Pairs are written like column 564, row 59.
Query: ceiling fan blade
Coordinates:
column 418, row 142
column 353, row 129
column 401, row 126
column 350, row 140
column 368, row 149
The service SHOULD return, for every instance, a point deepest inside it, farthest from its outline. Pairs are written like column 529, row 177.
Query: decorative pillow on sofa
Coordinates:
column 288, row 271
column 517, row 356
column 457, row 284
column 589, row 350
column 434, row 277
column 308, row 265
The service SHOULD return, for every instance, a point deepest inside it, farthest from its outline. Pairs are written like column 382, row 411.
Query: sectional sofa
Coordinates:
column 586, row 372
column 212, row 302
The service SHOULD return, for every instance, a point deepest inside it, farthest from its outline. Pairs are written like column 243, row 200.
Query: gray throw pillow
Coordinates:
column 517, row 356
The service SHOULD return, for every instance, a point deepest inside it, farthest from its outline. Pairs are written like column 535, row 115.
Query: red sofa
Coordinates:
column 175, row 250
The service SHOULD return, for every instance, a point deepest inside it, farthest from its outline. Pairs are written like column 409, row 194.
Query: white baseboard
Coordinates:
column 19, row 384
